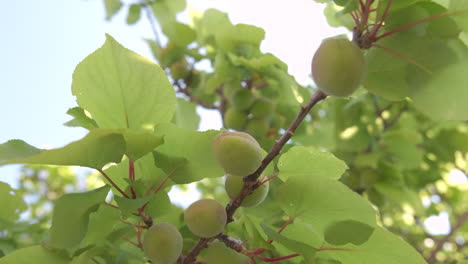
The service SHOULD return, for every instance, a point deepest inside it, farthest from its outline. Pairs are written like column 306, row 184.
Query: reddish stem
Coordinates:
column 382, row 19
column 131, row 176
column 279, row 258
column 420, row 21
column 113, row 184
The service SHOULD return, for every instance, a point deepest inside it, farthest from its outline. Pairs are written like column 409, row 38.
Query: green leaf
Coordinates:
column 112, row 7
column 239, row 34
column 311, row 163
column 101, row 224
column 36, row 254
column 186, row 115
column 71, row 217
column 186, row 155
column 134, row 14
column 80, row 119
column 461, row 18
column 12, row 204
column 323, row 201
column 306, row 251
column 129, row 206
column 146, row 174
column 383, row 247
column 96, row 149
column 445, row 95
column 139, row 143
column 348, row 231
column 122, row 89
column 180, row 34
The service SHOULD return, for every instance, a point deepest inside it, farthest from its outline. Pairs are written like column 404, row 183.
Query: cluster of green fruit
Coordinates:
column 247, row 110
column 240, row 155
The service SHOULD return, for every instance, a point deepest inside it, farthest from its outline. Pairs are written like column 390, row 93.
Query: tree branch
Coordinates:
column 250, row 181
column 440, row 243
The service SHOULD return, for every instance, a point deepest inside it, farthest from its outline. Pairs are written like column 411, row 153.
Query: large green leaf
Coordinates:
column 101, row 224
column 383, row 247
column 186, row 155
column 71, row 217
column 310, row 162
column 186, row 115
column 122, row 89
column 139, row 143
column 12, row 204
column 323, row 202
column 96, row 149
column 445, row 96
column 306, row 251
column 34, row 254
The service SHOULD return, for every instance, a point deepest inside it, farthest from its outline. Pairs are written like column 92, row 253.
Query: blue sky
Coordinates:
column 43, row 41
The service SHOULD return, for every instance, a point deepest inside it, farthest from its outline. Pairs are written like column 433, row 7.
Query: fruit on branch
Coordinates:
column 218, row 253
column 242, row 99
column 262, row 108
column 180, row 70
column 257, row 127
column 235, row 119
column 205, row 218
column 238, row 153
column 163, row 243
column 234, row 186
column 170, row 54
column 338, row 67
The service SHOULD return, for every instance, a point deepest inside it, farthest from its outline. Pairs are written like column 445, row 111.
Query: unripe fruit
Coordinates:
column 257, row 127
column 238, row 153
column 205, row 218
column 180, row 70
column 235, row 119
column 242, row 99
column 338, row 67
column 163, row 243
column 218, row 253
column 262, row 108
column 234, row 186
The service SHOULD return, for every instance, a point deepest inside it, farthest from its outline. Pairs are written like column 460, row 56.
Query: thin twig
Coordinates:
column 113, row 183
column 149, row 14
column 440, row 243
column 193, row 97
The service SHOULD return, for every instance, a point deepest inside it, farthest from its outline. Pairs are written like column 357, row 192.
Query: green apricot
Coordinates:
column 238, row 153
column 218, row 253
column 338, row 67
column 257, row 127
column 234, row 184
column 262, row 108
column 163, row 243
column 205, row 218
column 235, row 119
column 180, row 70
column 242, row 99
